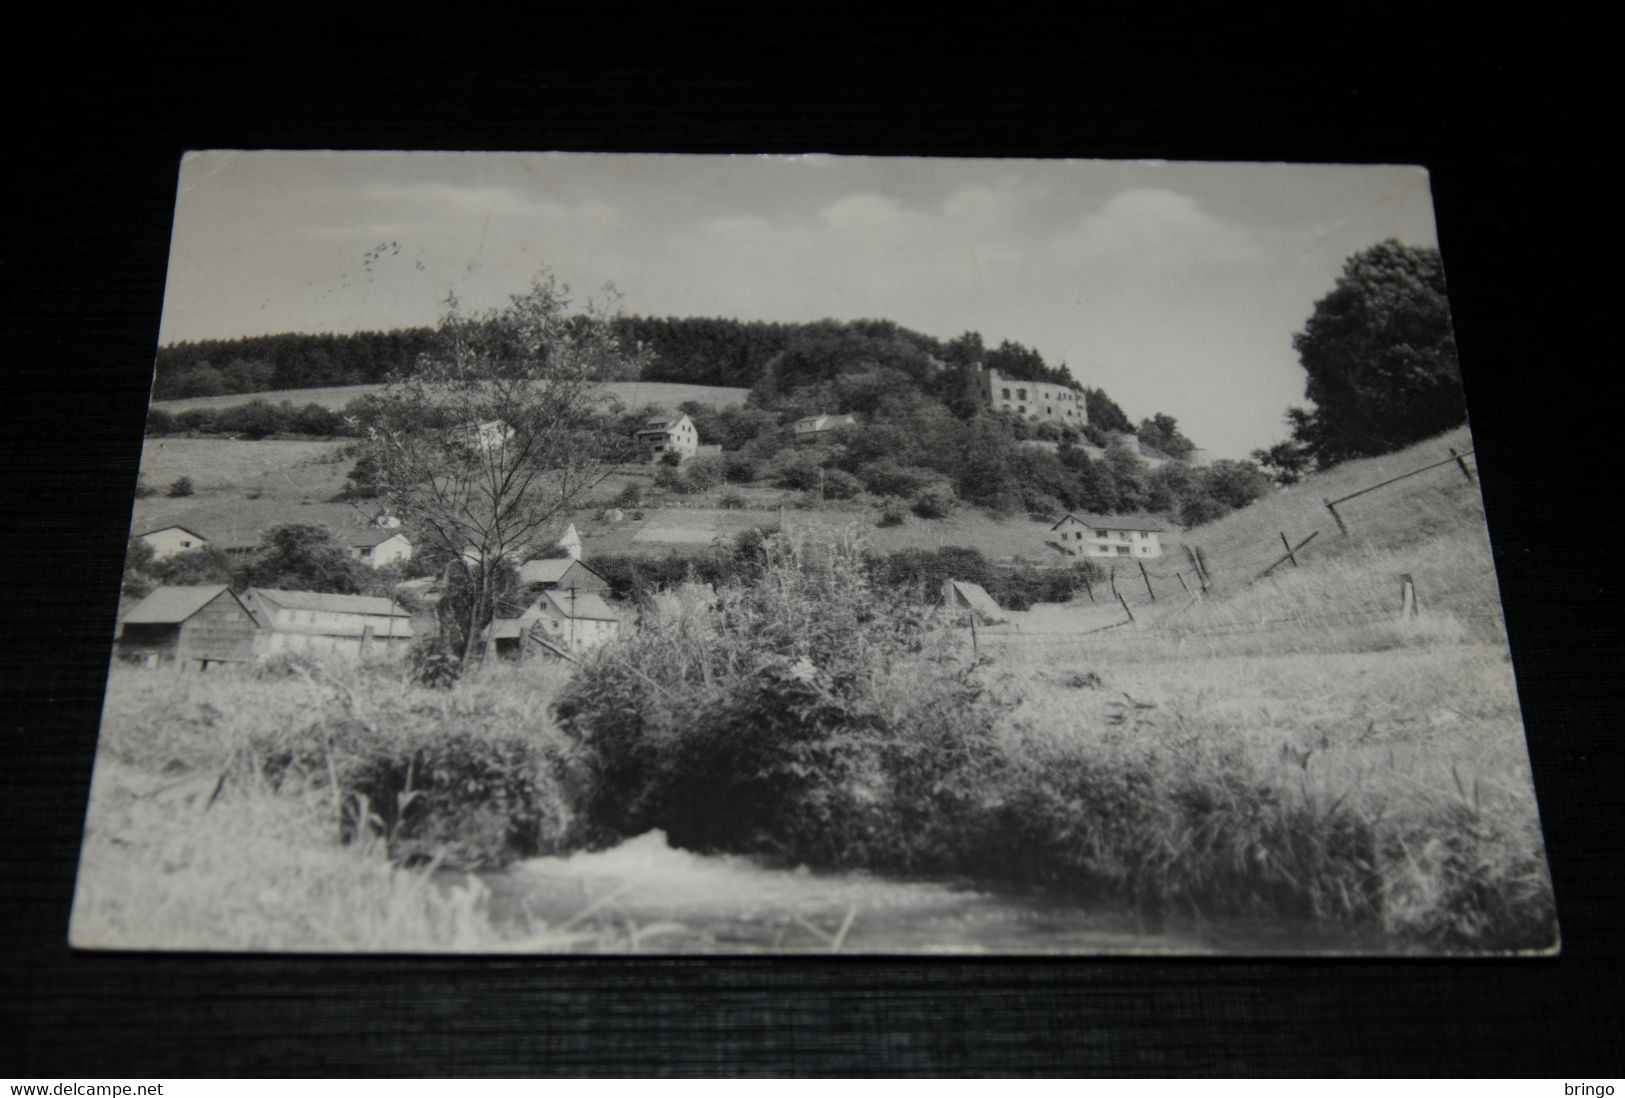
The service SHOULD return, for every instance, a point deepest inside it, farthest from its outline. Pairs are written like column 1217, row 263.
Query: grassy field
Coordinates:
column 1290, row 747
column 242, row 488
column 633, row 394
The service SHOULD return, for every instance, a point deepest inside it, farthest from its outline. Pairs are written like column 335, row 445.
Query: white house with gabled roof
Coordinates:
column 167, row 541
column 1108, row 536
column 669, row 434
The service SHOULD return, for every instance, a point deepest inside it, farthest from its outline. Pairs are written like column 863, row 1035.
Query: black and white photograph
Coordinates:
column 547, row 553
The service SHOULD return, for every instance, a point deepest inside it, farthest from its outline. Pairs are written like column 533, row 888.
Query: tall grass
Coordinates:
column 795, row 718
column 299, row 809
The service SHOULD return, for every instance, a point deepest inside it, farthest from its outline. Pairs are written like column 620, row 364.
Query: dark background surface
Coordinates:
column 1503, row 115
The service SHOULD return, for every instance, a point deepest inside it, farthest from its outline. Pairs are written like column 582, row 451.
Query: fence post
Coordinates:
column 1126, row 610
column 1337, row 517
column 1466, row 472
column 1196, row 567
column 1147, row 577
column 1288, row 545
column 1180, row 576
column 1089, row 587
column 1111, row 577
column 1201, row 563
column 1408, row 607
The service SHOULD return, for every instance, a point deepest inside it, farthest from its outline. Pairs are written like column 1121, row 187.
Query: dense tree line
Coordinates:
column 290, row 360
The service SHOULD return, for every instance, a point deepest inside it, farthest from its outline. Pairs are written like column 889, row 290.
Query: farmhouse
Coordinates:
column 818, row 425
column 1039, row 400
column 562, row 574
column 673, row 434
column 166, row 541
column 560, row 622
column 190, row 628
column 1134, row 536
column 344, row 625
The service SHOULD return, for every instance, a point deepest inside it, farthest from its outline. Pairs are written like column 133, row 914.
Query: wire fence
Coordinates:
column 1171, row 592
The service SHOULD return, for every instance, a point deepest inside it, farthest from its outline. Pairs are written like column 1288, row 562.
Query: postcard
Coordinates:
column 542, row 553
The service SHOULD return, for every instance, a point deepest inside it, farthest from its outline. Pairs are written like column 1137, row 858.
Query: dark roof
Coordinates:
column 661, row 423
column 173, row 526
column 1115, row 522
column 373, row 535
column 173, row 605
column 339, row 604
column 551, row 570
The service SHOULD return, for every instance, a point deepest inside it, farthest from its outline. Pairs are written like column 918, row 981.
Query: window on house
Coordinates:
column 1005, row 393
column 1021, row 394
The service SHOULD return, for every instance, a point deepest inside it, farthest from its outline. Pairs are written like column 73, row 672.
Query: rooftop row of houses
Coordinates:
column 209, row 626
column 377, row 544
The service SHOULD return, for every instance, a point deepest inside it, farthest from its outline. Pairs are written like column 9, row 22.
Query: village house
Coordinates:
column 189, row 628
column 378, row 546
column 1035, row 400
column 562, row 574
column 561, row 622
column 673, row 434
column 166, row 541
column 343, row 625
column 1108, row 536
column 812, row 426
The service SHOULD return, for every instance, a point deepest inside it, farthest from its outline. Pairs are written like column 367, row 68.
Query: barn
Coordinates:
column 190, row 628
column 320, row 623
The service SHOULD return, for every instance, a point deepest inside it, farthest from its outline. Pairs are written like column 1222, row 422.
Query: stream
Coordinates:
column 645, row 896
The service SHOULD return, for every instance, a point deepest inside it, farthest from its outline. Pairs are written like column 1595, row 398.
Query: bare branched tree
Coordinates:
column 497, row 430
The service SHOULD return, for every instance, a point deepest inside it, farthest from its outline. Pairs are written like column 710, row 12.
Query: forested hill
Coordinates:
column 781, row 357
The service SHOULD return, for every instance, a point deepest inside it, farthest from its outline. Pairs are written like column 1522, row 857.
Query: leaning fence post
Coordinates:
column 1146, row 576
column 1466, row 472
column 1201, row 562
column 1126, row 610
column 1335, row 515
column 1111, row 577
column 1288, row 545
column 1180, row 576
column 1087, row 586
column 1407, row 597
column 1196, row 567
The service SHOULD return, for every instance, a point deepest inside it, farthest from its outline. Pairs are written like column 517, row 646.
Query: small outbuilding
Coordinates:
column 960, row 598
column 378, row 546
column 166, row 541
column 189, row 628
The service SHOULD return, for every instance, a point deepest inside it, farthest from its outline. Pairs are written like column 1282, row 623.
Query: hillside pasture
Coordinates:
column 632, row 394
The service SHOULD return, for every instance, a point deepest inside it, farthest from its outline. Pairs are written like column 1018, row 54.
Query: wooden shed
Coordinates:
column 189, row 628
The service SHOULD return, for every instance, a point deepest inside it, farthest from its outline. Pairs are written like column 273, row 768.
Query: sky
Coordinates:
column 1175, row 287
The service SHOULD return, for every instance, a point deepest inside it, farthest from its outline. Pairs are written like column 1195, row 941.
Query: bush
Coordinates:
column 703, row 472
column 891, row 516
column 739, row 468
column 839, row 484
column 933, row 503
column 630, row 496
column 793, row 716
column 182, row 486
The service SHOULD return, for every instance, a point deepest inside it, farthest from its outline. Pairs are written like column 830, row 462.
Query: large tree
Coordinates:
column 498, row 428
column 1381, row 357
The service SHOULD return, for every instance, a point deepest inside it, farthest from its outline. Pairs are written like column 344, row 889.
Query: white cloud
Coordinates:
column 1156, row 228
